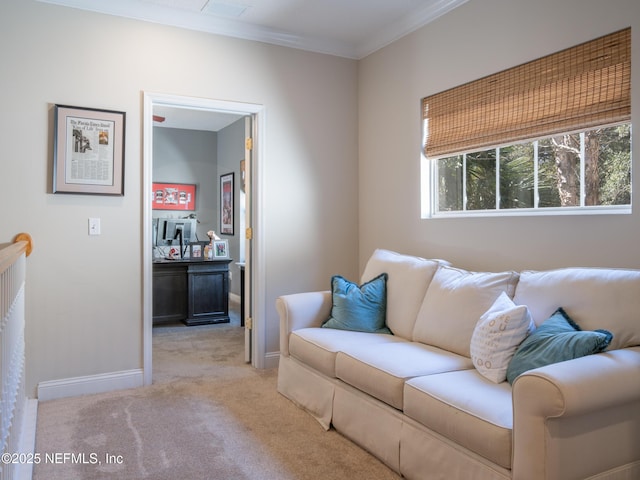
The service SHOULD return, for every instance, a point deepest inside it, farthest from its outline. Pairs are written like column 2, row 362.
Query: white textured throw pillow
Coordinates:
column 497, row 335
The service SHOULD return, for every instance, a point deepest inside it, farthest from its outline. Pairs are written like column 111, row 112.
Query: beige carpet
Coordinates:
column 208, row 415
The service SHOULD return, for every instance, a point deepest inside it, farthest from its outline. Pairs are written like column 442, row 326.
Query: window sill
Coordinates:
column 535, row 212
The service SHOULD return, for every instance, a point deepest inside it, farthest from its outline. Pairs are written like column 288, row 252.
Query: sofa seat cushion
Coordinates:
column 380, row 370
column 317, row 347
column 466, row 408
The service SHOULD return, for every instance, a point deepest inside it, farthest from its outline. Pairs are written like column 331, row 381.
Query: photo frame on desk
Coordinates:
column 220, row 249
column 196, row 251
column 88, row 151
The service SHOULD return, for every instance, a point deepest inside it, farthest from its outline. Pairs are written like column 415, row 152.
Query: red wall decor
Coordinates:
column 173, row 196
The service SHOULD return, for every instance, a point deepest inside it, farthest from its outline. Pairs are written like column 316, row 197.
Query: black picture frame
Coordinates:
column 227, row 212
column 197, row 251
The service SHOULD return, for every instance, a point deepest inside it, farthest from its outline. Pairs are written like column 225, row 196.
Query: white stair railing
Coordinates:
column 12, row 350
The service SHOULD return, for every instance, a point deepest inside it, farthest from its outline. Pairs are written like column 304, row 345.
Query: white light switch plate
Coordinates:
column 94, row 226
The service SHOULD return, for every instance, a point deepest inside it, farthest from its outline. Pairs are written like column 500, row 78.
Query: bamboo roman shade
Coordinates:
column 578, row 88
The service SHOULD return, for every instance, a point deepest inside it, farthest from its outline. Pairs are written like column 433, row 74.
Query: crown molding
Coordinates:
column 405, row 26
column 232, row 28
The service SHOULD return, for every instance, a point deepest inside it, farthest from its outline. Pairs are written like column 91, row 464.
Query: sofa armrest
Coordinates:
column 301, row 310
column 586, row 406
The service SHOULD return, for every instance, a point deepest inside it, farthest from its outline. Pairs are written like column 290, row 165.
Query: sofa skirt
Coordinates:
column 307, row 389
column 427, row 455
column 399, row 442
column 370, row 423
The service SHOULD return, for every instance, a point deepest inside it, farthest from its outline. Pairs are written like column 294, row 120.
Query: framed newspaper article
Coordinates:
column 88, row 151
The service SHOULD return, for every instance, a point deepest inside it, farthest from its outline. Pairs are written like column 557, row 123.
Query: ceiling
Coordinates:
column 192, row 119
column 346, row 28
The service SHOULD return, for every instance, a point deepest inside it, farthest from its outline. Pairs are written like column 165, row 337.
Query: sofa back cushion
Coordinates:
column 593, row 297
column 453, row 304
column 407, row 282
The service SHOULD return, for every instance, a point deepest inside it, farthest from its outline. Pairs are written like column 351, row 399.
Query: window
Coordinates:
column 576, row 104
column 589, row 170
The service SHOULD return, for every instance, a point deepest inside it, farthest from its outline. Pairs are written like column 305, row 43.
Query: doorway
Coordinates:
column 254, row 286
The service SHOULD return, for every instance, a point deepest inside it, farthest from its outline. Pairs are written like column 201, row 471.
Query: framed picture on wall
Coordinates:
column 88, row 151
column 173, row 196
column 226, row 204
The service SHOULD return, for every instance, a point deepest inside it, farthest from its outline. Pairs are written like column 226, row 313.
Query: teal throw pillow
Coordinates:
column 558, row 339
column 361, row 308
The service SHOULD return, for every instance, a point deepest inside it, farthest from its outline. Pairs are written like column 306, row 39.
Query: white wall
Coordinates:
column 477, row 39
column 84, row 308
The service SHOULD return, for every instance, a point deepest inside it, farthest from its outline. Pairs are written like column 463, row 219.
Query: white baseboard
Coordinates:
column 27, row 443
column 106, row 382
column 271, row 360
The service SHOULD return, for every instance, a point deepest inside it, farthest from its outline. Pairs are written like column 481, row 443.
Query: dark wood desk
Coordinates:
column 195, row 292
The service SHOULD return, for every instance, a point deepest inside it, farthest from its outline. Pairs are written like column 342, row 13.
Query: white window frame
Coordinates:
column 429, row 192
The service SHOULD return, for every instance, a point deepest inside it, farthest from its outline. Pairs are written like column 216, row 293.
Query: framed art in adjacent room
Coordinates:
column 226, row 204
column 173, row 196
column 88, row 151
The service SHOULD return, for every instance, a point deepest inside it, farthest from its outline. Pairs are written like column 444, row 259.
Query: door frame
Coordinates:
column 258, row 297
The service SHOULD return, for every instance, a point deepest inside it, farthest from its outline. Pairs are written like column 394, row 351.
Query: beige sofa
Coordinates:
column 416, row 400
